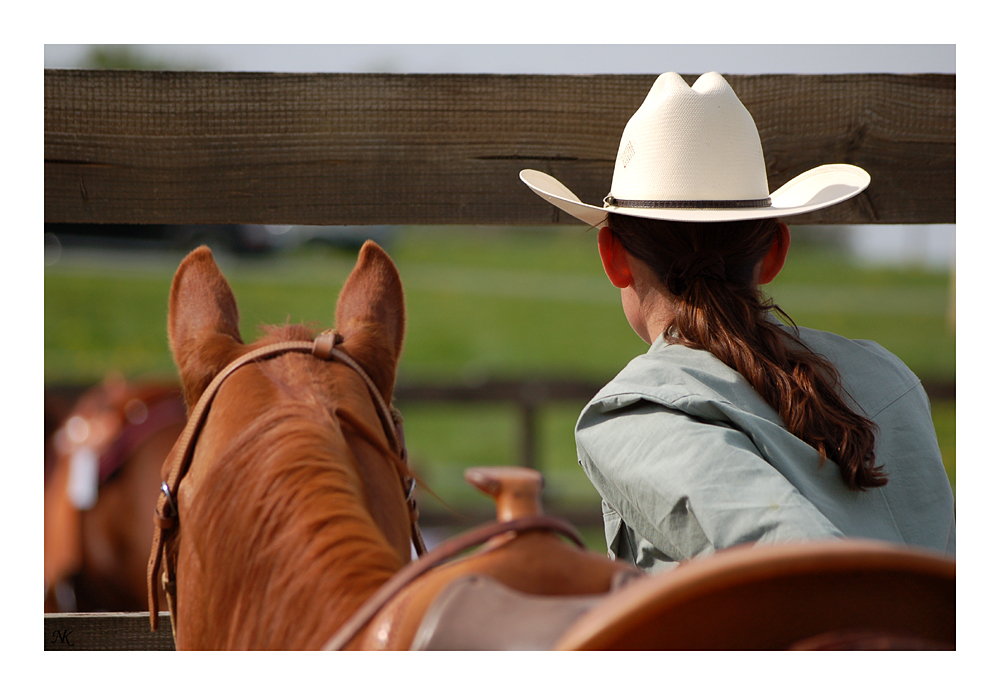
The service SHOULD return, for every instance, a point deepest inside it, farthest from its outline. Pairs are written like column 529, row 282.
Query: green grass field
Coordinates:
column 482, row 302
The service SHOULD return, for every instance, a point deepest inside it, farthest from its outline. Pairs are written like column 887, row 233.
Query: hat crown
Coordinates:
column 695, row 143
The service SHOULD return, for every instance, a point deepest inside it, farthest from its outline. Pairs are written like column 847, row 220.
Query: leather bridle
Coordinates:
column 166, row 514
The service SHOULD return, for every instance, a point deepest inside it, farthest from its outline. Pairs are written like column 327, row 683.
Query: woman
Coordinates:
column 734, row 428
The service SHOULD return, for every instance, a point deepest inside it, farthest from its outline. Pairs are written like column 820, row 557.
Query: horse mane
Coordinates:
column 285, row 503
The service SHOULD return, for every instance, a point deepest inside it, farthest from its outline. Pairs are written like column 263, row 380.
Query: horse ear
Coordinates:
column 202, row 322
column 371, row 312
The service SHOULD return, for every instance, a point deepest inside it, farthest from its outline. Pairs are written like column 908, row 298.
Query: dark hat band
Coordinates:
column 700, row 204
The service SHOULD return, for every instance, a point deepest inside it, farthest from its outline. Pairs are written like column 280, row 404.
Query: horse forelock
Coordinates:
column 366, row 343
column 284, row 531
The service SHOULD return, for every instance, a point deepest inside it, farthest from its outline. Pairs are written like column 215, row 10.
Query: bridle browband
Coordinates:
column 165, row 516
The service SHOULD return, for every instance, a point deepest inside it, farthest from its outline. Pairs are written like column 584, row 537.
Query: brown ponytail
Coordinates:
column 709, row 269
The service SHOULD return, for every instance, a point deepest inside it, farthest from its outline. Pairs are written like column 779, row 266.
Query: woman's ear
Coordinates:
column 615, row 259
column 774, row 261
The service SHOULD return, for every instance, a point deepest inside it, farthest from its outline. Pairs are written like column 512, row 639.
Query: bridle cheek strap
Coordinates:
column 165, row 517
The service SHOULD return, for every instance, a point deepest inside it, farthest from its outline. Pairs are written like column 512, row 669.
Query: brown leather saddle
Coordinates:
column 478, row 612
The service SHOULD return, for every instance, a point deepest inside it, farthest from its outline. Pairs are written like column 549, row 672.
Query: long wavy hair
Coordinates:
column 722, row 310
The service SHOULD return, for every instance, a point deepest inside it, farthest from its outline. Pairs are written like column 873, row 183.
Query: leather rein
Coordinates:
column 165, row 517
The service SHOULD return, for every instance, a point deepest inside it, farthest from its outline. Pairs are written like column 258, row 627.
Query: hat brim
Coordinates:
column 812, row 190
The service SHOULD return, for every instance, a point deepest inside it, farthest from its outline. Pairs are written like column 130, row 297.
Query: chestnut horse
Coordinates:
column 103, row 485
column 289, row 513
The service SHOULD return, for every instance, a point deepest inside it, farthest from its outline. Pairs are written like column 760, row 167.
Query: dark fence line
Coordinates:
column 125, row 146
column 527, row 395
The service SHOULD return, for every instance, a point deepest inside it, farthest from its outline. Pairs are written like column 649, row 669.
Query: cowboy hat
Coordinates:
column 693, row 154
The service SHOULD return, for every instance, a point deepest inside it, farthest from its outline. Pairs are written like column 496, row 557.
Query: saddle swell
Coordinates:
column 490, row 534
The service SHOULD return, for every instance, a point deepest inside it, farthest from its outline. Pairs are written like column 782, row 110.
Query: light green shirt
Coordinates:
column 689, row 459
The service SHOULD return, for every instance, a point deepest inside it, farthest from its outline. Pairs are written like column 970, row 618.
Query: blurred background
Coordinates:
column 510, row 330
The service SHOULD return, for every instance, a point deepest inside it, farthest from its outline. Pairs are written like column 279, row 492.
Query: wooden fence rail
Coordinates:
column 217, row 148
column 106, row 632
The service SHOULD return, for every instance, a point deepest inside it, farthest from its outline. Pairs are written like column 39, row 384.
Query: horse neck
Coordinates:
column 286, row 543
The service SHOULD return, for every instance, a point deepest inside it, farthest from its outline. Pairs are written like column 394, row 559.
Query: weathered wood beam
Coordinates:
column 215, row 148
column 106, row 631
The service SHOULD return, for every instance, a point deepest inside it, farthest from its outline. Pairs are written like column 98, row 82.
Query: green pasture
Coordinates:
column 482, row 303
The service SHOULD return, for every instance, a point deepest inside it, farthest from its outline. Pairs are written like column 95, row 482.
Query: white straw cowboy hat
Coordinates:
column 693, row 154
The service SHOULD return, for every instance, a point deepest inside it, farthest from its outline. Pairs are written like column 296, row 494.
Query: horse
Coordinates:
column 292, row 511
column 106, row 455
column 286, row 521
